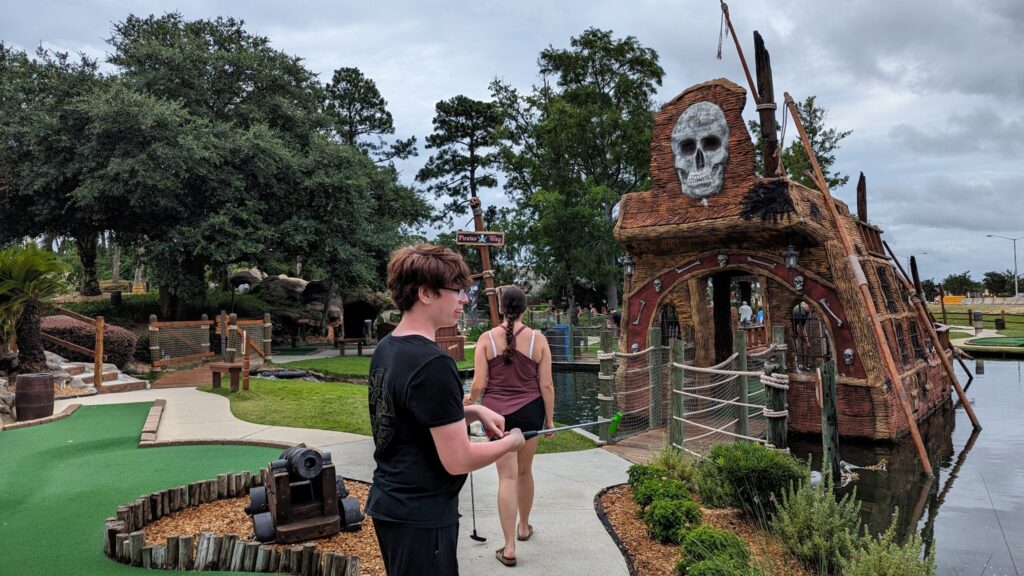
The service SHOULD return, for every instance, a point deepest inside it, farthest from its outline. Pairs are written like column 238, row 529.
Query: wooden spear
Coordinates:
column 862, row 283
column 739, row 50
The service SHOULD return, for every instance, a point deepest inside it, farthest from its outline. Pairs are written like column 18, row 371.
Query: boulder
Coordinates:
column 281, row 290
column 252, row 277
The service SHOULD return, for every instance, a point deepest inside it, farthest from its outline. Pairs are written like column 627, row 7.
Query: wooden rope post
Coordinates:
column 779, row 403
column 231, row 351
column 154, row 343
column 205, row 344
column 777, row 417
column 222, row 320
column 829, row 420
column 739, row 346
column 245, row 361
column 97, row 367
column 606, row 378
column 268, row 334
column 654, row 377
column 942, row 304
column 862, row 283
column 675, row 402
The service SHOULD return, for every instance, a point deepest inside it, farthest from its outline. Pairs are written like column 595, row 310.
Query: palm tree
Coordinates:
column 28, row 278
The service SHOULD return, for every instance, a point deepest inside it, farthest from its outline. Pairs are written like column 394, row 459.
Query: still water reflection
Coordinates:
column 972, row 511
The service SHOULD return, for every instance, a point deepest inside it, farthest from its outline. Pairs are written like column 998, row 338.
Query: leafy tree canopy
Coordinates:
column 360, row 117
column 824, row 141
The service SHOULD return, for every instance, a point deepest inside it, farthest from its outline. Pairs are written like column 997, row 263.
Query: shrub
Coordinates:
column 677, row 464
column 134, row 309
column 747, row 475
column 720, row 549
column 819, row 530
column 653, row 489
column 722, row 567
column 669, row 520
column 118, row 343
column 638, row 472
column 473, row 333
column 883, row 556
column 142, row 353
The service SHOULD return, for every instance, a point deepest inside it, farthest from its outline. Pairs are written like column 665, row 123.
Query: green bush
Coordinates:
column 654, row 489
column 669, row 520
column 746, row 474
column 722, row 567
column 473, row 333
column 819, row 530
column 720, row 549
column 638, row 472
column 134, row 309
column 142, row 353
column 883, row 556
column 118, row 343
column 677, row 464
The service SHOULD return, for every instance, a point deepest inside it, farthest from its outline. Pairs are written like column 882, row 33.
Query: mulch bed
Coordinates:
column 652, row 558
column 228, row 517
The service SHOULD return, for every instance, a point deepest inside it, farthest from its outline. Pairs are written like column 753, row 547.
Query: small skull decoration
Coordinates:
column 700, row 144
column 848, row 356
column 634, row 348
column 657, row 284
column 723, row 259
column 798, row 283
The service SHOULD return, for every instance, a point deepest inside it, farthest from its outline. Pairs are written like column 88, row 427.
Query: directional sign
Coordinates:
column 472, row 238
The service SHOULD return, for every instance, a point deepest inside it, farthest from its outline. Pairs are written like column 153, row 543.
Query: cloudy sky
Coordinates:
column 932, row 90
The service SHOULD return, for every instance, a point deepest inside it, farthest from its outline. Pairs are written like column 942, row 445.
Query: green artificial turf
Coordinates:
column 1007, row 342
column 59, row 481
column 300, row 351
column 338, row 406
column 350, row 366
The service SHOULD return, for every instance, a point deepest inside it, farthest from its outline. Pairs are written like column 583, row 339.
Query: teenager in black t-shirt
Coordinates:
column 419, row 424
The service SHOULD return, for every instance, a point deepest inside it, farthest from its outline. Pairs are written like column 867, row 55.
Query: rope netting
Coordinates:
column 641, row 384
column 187, row 342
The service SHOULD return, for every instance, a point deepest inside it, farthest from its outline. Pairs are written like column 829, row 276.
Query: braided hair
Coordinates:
column 513, row 304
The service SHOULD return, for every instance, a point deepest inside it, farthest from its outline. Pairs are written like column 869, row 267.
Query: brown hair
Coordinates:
column 513, row 304
column 426, row 265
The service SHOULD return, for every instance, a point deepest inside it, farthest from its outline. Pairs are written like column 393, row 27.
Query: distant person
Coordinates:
column 746, row 313
column 512, row 376
column 759, row 318
column 617, row 321
column 418, row 420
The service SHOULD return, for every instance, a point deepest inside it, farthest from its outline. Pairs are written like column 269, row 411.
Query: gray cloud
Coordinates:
column 980, row 131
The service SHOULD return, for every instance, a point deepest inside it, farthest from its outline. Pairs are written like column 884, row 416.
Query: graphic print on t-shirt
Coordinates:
column 383, row 420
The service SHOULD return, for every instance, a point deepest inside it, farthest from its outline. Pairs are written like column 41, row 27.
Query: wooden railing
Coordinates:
column 99, row 326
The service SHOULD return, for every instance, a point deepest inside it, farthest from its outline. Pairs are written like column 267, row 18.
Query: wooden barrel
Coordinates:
column 33, row 398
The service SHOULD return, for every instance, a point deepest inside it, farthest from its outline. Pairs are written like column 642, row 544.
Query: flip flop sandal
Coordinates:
column 500, row 555
column 529, row 533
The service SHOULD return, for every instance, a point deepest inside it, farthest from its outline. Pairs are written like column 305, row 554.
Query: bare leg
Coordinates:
column 525, row 484
column 507, row 489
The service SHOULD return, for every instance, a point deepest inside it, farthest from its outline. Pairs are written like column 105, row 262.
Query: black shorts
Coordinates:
column 529, row 417
column 411, row 550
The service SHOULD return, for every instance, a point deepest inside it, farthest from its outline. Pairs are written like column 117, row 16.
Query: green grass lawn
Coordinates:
column 59, row 481
column 338, row 406
column 957, row 335
column 350, row 366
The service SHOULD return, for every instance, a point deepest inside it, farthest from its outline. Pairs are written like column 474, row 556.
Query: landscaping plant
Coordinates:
column 668, row 521
column 710, row 551
column 884, row 556
column 747, row 475
column 652, row 490
column 29, row 277
column 677, row 464
column 817, row 529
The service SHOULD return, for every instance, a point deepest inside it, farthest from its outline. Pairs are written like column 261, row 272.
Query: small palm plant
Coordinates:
column 29, row 277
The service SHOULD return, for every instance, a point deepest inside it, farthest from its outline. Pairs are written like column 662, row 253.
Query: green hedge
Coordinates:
column 670, row 520
column 747, row 475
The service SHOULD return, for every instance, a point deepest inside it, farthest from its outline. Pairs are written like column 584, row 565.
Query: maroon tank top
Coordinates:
column 511, row 385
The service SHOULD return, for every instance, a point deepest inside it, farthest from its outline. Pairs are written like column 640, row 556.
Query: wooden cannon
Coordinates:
column 301, row 498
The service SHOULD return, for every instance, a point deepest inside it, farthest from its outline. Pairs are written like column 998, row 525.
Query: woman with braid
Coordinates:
column 513, row 378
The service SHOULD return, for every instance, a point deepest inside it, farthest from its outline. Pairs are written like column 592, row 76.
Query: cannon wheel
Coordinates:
column 263, row 527
column 351, row 516
column 340, row 488
column 257, row 500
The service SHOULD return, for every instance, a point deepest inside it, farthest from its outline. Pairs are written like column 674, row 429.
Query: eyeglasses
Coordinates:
column 460, row 292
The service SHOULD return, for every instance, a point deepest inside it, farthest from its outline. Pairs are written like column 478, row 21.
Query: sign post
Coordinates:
column 484, row 240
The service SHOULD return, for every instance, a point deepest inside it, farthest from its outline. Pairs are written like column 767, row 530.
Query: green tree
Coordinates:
column 999, row 283
column 960, row 284
column 824, row 141
column 42, row 124
column 360, row 117
column 573, row 147
column 464, row 139
column 29, row 277
column 930, row 289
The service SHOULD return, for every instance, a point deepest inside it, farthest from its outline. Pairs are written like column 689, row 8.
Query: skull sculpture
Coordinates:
column 848, row 356
column 723, row 259
column 634, row 348
column 700, row 144
column 798, row 283
column 657, row 284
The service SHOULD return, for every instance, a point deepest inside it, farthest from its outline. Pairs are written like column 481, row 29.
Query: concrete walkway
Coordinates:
column 569, row 539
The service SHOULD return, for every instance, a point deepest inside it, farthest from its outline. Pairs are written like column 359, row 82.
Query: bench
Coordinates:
column 219, row 368
column 342, row 343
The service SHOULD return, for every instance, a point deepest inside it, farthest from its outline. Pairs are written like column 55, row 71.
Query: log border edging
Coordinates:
column 125, row 536
column 67, row 411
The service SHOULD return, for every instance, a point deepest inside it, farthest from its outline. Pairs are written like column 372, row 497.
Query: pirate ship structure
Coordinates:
column 709, row 222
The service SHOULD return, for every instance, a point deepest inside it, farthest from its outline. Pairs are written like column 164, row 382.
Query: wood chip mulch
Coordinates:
column 652, row 558
column 228, row 517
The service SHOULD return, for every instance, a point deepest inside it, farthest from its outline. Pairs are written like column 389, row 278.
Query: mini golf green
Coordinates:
column 1002, row 341
column 59, row 481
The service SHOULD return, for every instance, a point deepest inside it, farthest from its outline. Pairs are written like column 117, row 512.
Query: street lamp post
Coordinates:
column 1016, row 289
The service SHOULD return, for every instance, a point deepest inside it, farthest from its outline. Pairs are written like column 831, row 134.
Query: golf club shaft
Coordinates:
column 532, row 433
